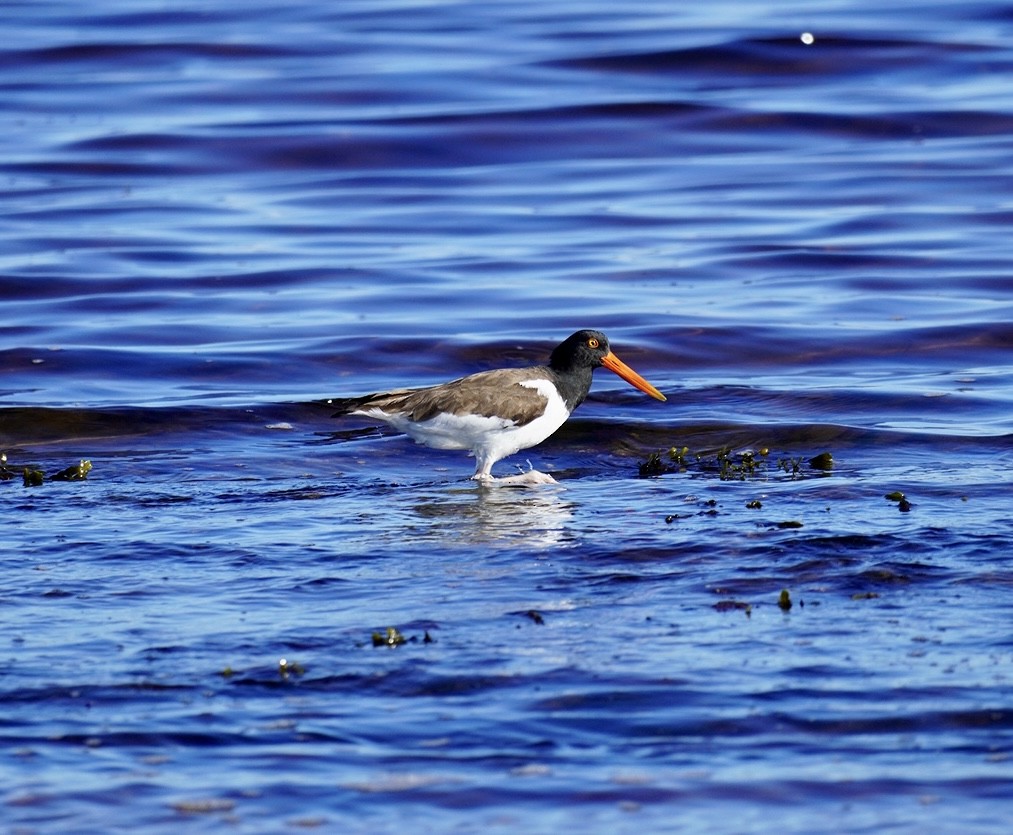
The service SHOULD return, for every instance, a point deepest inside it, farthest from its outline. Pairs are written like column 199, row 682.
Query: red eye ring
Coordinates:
column 592, row 343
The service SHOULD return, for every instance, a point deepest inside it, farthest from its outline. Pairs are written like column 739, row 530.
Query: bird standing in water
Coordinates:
column 497, row 413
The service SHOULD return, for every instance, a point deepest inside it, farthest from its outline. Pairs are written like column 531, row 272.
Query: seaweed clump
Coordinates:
column 393, row 637
column 732, row 465
column 903, row 505
column 34, row 476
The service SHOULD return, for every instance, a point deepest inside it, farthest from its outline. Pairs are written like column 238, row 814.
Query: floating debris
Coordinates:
column 654, row 466
column 390, row 638
column 729, row 464
column 79, row 472
column 288, row 668
column 790, row 466
column 734, row 605
column 204, row 806
column 824, row 461
column 784, row 600
column 739, row 466
column 35, row 476
column 903, row 505
column 679, row 455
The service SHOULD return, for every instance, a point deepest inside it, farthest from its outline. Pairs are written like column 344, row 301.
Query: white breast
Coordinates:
column 506, row 442
column 488, row 438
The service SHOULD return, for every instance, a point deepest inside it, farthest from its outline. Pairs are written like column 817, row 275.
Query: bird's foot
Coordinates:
column 531, row 478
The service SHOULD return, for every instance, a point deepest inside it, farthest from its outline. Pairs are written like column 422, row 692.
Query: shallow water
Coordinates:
column 212, row 220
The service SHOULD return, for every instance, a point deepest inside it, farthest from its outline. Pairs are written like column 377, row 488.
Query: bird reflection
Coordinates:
column 504, row 516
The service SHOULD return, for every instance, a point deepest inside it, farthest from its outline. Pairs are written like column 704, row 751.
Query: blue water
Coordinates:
column 793, row 220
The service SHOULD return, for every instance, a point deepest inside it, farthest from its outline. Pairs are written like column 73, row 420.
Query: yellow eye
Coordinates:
column 592, row 343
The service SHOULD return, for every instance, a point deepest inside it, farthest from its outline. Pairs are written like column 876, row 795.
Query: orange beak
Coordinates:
column 617, row 366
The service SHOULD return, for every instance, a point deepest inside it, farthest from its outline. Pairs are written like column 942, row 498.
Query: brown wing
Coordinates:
column 488, row 393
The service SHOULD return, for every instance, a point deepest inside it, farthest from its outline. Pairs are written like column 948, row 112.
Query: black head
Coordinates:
column 578, row 355
column 583, row 349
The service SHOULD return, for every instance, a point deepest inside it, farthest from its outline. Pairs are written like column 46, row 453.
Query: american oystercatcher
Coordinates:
column 496, row 413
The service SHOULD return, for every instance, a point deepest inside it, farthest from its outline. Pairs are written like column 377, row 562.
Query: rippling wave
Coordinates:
column 794, row 221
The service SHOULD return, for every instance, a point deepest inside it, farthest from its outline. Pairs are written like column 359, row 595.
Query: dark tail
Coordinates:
column 396, row 400
column 347, row 405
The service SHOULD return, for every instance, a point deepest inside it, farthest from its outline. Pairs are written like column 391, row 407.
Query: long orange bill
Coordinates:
column 616, row 365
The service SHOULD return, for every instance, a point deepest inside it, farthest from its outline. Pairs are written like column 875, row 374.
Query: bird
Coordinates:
column 493, row 414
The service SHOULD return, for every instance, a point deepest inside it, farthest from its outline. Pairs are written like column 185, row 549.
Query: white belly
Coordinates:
column 488, row 438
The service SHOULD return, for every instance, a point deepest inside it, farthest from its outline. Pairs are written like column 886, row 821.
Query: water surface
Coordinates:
column 793, row 222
